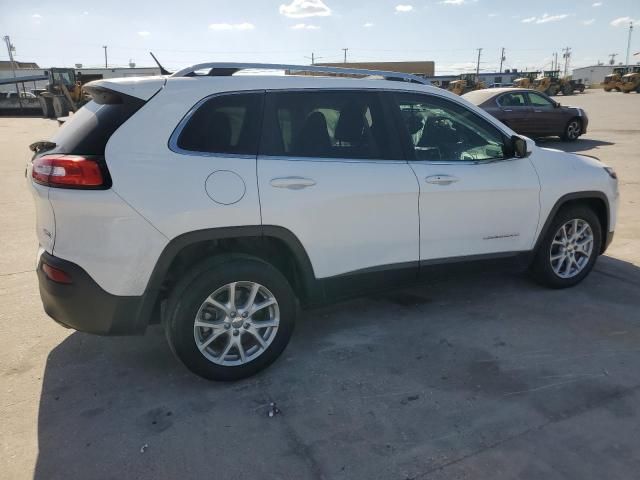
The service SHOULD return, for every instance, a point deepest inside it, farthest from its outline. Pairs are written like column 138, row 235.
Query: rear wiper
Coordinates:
column 41, row 146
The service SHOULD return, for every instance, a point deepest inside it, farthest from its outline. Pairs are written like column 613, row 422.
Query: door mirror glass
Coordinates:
column 519, row 146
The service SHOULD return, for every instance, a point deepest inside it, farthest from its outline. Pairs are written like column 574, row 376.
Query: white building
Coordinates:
column 592, row 75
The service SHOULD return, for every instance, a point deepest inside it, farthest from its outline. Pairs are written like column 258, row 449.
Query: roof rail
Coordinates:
column 227, row 69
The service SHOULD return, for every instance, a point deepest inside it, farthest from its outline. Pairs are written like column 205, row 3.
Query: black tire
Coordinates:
column 542, row 269
column 572, row 130
column 47, row 106
column 60, row 106
column 197, row 284
column 567, row 90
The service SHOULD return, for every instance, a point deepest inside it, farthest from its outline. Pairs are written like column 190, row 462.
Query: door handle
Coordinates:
column 507, row 110
column 292, row 183
column 538, row 111
column 441, row 179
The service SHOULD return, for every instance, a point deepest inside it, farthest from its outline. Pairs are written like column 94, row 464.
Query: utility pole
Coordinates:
column 345, row 54
column 10, row 49
column 554, row 66
column 478, row 65
column 313, row 58
column 612, row 57
column 105, row 56
column 629, row 42
column 502, row 59
column 566, row 54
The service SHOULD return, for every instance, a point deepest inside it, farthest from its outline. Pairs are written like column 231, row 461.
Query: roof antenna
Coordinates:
column 163, row 71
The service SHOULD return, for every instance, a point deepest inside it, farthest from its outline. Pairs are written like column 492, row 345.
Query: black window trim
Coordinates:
column 389, row 125
column 175, row 135
column 409, row 151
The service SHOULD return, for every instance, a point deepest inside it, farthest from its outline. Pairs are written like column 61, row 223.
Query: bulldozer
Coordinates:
column 551, row 83
column 63, row 94
column 525, row 80
column 630, row 82
column 613, row 81
column 465, row 83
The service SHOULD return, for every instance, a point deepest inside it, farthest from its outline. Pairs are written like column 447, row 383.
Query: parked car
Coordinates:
column 9, row 101
column 219, row 204
column 531, row 113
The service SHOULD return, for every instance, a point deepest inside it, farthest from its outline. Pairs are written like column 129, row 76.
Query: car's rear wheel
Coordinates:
column 572, row 130
column 230, row 318
column 569, row 249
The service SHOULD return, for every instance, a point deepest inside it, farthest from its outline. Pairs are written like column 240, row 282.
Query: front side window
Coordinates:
column 539, row 101
column 442, row 130
column 325, row 124
column 509, row 100
column 224, row 124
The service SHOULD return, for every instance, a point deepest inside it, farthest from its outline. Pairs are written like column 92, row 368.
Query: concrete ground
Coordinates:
column 482, row 376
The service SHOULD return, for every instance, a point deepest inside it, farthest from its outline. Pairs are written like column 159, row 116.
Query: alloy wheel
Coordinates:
column 236, row 323
column 573, row 130
column 571, row 248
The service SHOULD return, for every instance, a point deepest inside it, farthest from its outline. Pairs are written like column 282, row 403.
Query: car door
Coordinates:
column 545, row 118
column 474, row 199
column 514, row 111
column 330, row 172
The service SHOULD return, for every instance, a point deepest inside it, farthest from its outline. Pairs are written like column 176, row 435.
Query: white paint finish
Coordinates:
column 225, row 187
column 167, row 188
column 489, row 199
column 140, row 87
column 45, row 219
column 102, row 234
column 562, row 173
column 358, row 214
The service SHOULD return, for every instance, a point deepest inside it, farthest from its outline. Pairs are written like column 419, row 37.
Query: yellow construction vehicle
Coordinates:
column 613, row 81
column 63, row 93
column 465, row 83
column 525, row 80
column 551, row 83
column 631, row 81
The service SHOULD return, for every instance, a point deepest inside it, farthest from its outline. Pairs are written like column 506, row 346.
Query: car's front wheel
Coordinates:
column 572, row 130
column 569, row 249
column 230, row 318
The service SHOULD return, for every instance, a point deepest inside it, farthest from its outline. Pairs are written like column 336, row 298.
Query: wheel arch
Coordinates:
column 595, row 200
column 276, row 245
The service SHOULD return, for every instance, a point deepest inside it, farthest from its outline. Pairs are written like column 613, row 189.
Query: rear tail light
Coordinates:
column 70, row 171
column 55, row 274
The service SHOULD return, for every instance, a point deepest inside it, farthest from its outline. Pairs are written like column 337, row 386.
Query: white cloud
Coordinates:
column 403, row 8
column 453, row 2
column 231, row 26
column 368, row 25
column 305, row 8
column 144, row 33
column 623, row 21
column 597, row 4
column 551, row 18
column 85, row 13
column 36, row 15
column 589, row 22
column 491, row 15
column 305, row 26
column 545, row 18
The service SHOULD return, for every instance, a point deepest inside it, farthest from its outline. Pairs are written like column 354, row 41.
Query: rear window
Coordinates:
column 88, row 130
column 224, row 124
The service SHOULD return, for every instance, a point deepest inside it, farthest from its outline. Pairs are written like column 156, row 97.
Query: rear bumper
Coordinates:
column 83, row 305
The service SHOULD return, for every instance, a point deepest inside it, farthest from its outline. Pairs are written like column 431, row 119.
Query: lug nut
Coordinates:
column 227, row 326
column 245, row 314
column 236, row 333
column 233, row 314
column 247, row 325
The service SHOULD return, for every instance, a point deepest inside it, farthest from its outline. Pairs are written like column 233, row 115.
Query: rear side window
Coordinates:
column 224, row 124
column 326, row 124
column 88, row 130
column 512, row 100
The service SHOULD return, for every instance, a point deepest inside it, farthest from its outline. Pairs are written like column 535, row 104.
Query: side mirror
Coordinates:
column 556, row 105
column 519, row 147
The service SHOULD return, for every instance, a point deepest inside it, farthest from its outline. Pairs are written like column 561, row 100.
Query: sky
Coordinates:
column 449, row 32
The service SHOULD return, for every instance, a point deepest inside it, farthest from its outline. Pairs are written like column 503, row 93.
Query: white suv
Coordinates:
column 218, row 204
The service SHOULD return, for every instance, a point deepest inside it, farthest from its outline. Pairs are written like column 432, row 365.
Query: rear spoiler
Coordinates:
column 141, row 88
